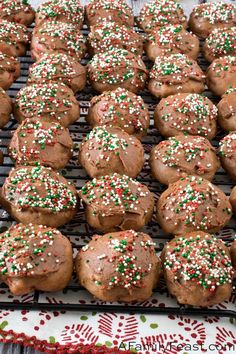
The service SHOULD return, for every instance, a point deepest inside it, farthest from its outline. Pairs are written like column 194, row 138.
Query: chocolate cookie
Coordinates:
column 233, row 253
column 192, row 204
column 58, row 37
column 227, row 152
column 67, row 11
column 35, row 257
column 221, row 42
column 14, row 38
column 120, row 108
column 5, row 108
column 114, row 202
column 233, row 200
column 175, row 73
column 9, row 70
column 183, row 155
column 112, row 10
column 58, row 67
column 110, row 34
column 186, row 113
column 227, row 110
column 159, row 13
column 206, row 17
column 47, row 143
column 110, row 149
column 197, row 269
column 221, row 75
column 119, row 266
column 38, row 195
column 171, row 39
column 1, row 157
column 19, row 11
column 50, row 102
column 117, row 68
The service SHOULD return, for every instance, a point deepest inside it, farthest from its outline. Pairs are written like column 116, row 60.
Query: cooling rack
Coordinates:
column 74, row 297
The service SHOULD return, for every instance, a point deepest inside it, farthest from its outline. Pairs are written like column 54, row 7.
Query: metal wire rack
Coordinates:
column 74, row 297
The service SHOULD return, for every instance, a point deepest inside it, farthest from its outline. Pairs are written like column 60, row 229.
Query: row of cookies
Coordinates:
column 118, row 266
column 40, row 257
column 106, row 190
column 41, row 193
column 122, row 243
column 43, row 140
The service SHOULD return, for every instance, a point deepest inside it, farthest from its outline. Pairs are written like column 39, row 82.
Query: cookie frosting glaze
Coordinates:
column 233, row 199
column 208, row 16
column 233, row 254
column 30, row 255
column 116, row 202
column 37, row 241
column 5, row 108
column 13, row 38
column 159, row 13
column 35, row 194
column 50, row 101
column 171, row 39
column 182, row 155
column 198, row 269
column 227, row 152
column 108, row 150
column 67, row 11
column 117, row 68
column 175, row 73
column 227, row 110
column 119, row 266
column 59, row 37
column 19, row 11
column 192, row 204
column 186, row 113
column 112, row 10
column 221, row 75
column 221, row 42
column 36, row 142
column 110, row 34
column 120, row 108
column 9, row 70
column 58, row 67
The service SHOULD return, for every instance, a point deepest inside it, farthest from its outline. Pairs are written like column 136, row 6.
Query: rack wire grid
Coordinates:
column 74, row 297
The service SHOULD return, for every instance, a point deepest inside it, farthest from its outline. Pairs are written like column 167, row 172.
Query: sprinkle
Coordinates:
column 193, row 202
column 13, row 33
column 120, row 9
column 222, row 41
column 21, row 253
column 222, row 65
column 123, row 108
column 8, row 7
column 32, row 137
column 202, row 260
column 39, row 187
column 49, row 98
column 192, row 150
column 114, row 191
column 193, row 114
column 175, row 69
column 129, row 271
column 51, row 66
column 227, row 146
column 71, row 10
column 110, row 34
column 116, row 66
column 215, row 12
column 158, row 13
column 61, row 36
